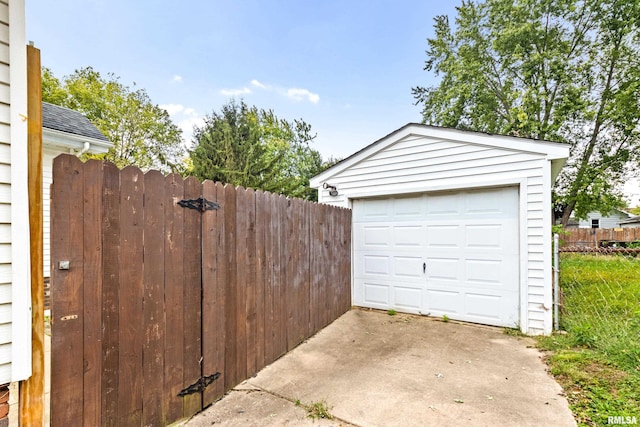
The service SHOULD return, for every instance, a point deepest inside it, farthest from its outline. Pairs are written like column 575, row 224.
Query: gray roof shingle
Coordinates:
column 70, row 121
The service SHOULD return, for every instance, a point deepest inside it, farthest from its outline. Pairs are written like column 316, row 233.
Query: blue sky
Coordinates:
column 345, row 67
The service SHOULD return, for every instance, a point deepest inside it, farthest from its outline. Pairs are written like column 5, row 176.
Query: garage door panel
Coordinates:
column 468, row 240
column 443, row 236
column 376, row 265
column 483, row 235
column 443, row 269
column 376, row 294
column 444, row 205
column 387, row 265
column 407, row 266
column 407, row 297
column 491, row 235
column 483, row 306
column 407, row 208
column 498, row 310
column 442, row 301
column 372, row 210
column 376, row 235
column 492, row 203
column 409, row 235
column 483, row 271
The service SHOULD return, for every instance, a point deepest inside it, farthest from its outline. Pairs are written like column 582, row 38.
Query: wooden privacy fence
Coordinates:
column 153, row 301
column 592, row 237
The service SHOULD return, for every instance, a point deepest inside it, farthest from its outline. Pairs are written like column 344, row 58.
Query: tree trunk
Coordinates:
column 566, row 214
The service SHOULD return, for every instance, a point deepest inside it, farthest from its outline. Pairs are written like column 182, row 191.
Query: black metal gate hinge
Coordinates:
column 201, row 204
column 199, row 385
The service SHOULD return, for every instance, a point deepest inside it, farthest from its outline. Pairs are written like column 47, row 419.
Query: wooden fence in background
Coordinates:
column 592, row 237
column 157, row 297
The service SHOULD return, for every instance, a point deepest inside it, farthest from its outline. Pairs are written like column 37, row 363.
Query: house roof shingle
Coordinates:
column 632, row 220
column 70, row 121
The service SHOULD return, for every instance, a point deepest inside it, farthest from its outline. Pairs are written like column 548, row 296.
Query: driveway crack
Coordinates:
column 293, row 402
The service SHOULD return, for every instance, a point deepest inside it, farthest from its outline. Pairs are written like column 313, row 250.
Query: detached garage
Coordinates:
column 451, row 223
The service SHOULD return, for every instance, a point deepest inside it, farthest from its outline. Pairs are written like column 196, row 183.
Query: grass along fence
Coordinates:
column 597, row 357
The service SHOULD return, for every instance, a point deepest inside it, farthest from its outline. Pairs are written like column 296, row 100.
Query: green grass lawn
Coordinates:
column 597, row 361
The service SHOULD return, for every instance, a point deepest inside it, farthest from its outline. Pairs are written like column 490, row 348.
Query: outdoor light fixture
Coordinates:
column 333, row 191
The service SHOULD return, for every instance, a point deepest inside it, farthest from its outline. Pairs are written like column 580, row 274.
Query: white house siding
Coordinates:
column 417, row 164
column 610, row 221
column 5, row 200
column 15, row 300
column 47, row 179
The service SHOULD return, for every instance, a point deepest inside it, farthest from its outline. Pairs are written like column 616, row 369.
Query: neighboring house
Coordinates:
column 596, row 220
column 450, row 222
column 633, row 222
column 63, row 131
column 15, row 285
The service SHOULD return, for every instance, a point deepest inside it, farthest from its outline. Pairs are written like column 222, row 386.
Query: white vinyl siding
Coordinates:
column 47, row 179
column 15, row 289
column 610, row 221
column 422, row 164
column 5, row 200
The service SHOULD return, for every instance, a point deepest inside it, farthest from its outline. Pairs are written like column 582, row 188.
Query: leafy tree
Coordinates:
column 142, row 133
column 561, row 70
column 252, row 147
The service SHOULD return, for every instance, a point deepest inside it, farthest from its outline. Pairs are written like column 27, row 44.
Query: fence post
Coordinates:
column 556, row 285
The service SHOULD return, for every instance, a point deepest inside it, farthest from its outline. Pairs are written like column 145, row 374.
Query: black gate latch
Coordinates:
column 201, row 204
column 199, row 385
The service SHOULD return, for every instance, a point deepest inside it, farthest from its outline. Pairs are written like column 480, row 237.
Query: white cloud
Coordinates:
column 235, row 92
column 294, row 93
column 298, row 94
column 256, row 83
column 187, row 126
column 177, row 79
column 185, row 118
column 172, row 109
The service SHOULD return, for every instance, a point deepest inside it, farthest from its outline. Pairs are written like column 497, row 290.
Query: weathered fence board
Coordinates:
column 212, row 298
column 261, row 270
column 159, row 297
column 92, row 217
column 231, row 354
column 67, row 244
column 251, row 310
column 592, row 237
column 110, row 295
column 192, row 307
column 153, row 302
column 131, row 297
column 174, row 310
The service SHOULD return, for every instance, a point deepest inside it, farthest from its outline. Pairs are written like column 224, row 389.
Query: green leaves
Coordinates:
column 246, row 146
column 562, row 70
column 142, row 133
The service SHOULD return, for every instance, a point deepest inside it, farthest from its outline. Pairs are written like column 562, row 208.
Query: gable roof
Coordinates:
column 70, row 121
column 555, row 151
column 632, row 220
column 624, row 213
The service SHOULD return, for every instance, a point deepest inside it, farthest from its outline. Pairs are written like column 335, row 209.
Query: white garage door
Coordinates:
column 453, row 253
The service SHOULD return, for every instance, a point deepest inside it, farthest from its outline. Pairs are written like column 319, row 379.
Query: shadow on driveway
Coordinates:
column 372, row 369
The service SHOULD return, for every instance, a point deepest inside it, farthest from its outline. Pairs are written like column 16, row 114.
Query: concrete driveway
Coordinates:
column 372, row 369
